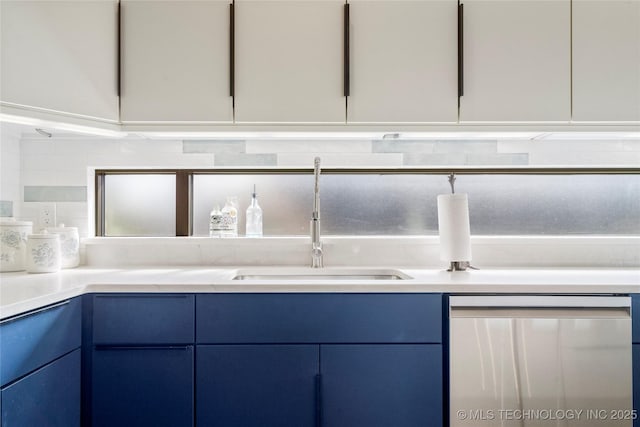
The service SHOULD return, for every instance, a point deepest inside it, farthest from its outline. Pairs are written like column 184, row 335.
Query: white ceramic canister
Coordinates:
column 69, row 245
column 13, row 243
column 43, row 253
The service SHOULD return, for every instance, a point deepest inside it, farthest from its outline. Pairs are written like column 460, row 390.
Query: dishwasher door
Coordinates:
column 547, row 361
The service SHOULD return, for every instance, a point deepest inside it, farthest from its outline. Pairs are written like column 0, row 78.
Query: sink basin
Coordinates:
column 326, row 274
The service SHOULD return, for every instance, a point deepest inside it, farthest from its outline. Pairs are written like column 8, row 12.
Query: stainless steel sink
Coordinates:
column 326, row 274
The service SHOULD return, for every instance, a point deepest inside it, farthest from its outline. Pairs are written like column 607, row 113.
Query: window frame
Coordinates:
column 184, row 182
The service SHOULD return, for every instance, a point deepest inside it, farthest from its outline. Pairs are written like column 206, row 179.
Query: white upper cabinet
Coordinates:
column 175, row 61
column 517, row 61
column 606, row 60
column 289, row 61
column 60, row 56
column 403, row 66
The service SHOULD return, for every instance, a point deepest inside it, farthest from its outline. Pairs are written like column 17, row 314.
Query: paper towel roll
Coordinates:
column 453, row 226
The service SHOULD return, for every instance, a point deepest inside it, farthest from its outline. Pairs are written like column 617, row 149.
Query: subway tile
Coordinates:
column 53, row 162
column 146, row 147
column 217, row 147
column 480, row 159
column 51, row 193
column 464, row 159
column 551, row 146
column 307, row 146
column 589, row 158
column 400, row 146
column 74, row 176
column 305, row 160
column 72, row 211
column 31, row 147
column 463, row 146
column 6, row 208
column 434, row 159
column 241, row 159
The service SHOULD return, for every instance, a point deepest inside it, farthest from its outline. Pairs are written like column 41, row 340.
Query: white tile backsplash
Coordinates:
column 33, row 160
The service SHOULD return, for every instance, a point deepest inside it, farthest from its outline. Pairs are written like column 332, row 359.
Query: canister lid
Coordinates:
column 11, row 222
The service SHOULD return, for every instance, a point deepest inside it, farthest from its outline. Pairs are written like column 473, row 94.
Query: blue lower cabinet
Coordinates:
column 32, row 340
column 636, row 383
column 143, row 386
column 50, row 396
column 397, row 385
column 257, row 385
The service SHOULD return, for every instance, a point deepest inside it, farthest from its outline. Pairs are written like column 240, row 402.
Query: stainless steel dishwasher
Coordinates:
column 540, row 361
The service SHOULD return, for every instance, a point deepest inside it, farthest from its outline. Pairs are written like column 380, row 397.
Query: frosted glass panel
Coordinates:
column 286, row 201
column 399, row 204
column 140, row 205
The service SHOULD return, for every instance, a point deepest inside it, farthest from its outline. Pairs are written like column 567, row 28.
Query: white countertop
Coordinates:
column 21, row 292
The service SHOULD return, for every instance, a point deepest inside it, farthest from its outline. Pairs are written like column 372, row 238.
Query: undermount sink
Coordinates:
column 319, row 274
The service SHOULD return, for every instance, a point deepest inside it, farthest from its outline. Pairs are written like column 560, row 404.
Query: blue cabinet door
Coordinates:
column 636, row 382
column 397, row 385
column 48, row 397
column 635, row 317
column 256, row 385
column 146, row 386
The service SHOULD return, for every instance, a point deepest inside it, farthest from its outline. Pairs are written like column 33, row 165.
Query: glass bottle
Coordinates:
column 216, row 226
column 254, row 217
column 230, row 217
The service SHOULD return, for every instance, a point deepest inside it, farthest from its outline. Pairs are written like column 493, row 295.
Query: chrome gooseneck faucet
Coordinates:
column 316, row 243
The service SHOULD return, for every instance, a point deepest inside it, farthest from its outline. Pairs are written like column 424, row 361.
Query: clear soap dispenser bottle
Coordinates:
column 254, row 217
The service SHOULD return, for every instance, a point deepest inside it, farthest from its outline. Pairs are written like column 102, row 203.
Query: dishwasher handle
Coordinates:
column 536, row 301
column 548, row 307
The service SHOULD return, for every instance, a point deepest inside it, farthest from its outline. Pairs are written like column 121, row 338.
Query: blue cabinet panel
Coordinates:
column 635, row 317
column 28, row 342
column 48, row 397
column 381, row 385
column 143, row 319
column 636, row 383
column 143, row 387
column 318, row 318
column 256, row 385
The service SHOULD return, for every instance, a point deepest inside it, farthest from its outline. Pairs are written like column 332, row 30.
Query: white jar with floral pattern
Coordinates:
column 69, row 245
column 43, row 253
column 13, row 243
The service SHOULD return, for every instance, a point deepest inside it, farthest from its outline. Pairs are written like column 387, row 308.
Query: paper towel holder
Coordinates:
column 457, row 265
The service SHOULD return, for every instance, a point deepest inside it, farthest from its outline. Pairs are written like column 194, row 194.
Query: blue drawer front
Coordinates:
column 635, row 316
column 28, row 342
column 143, row 319
column 48, row 397
column 318, row 318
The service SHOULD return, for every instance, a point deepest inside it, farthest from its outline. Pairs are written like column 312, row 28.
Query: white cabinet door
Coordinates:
column 517, row 61
column 606, row 60
column 289, row 61
column 60, row 56
column 404, row 63
column 175, row 61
